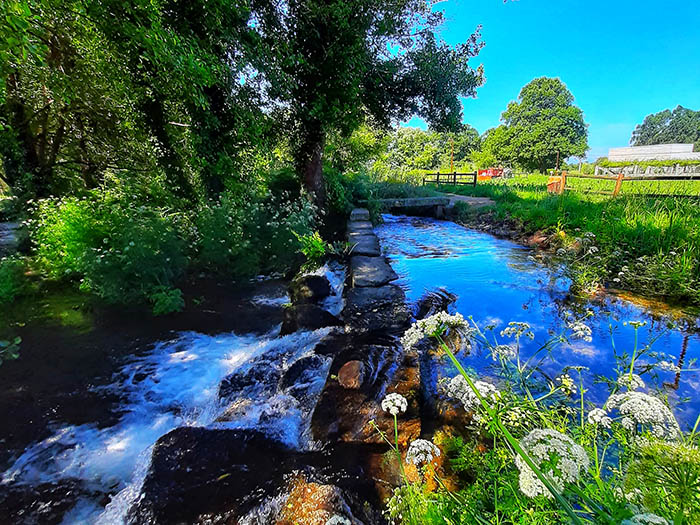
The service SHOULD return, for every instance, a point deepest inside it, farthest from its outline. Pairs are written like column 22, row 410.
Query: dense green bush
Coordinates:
column 117, row 248
column 11, row 278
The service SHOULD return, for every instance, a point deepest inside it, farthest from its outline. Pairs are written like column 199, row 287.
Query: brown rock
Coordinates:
column 352, row 374
column 314, row 504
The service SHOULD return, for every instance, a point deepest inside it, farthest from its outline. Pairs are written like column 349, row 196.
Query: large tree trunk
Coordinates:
column 310, row 166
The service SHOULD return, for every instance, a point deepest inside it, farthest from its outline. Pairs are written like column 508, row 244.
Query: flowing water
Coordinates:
column 272, row 383
column 497, row 281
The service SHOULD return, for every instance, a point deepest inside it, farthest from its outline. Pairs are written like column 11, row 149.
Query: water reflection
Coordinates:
column 498, row 281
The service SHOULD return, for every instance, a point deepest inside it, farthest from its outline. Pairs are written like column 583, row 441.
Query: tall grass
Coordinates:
column 645, row 244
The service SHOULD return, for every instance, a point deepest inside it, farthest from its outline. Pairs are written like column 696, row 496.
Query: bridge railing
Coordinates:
column 453, row 179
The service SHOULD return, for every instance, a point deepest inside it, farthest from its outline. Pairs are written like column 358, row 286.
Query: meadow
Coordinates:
column 636, row 241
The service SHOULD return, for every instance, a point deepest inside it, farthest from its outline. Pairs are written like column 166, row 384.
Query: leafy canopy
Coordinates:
column 680, row 126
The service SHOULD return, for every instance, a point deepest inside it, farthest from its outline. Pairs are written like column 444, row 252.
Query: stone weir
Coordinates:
column 218, row 473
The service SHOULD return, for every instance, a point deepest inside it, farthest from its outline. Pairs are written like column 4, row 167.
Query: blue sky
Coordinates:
column 621, row 59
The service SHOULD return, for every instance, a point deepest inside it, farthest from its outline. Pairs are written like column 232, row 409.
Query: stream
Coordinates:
column 271, row 383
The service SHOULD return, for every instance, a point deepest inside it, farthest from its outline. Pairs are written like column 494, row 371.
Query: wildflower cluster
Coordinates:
column 337, row 519
column 599, row 417
column 567, row 384
column 560, row 459
column 631, row 381
column 517, row 330
column 422, row 451
column 638, row 408
column 459, row 389
column 394, row 404
column 432, row 326
column 580, row 330
column 645, row 519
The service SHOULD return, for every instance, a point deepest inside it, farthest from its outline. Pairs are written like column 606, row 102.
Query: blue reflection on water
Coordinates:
column 498, row 281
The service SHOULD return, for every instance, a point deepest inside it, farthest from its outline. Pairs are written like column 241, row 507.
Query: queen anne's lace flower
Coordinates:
column 638, row 408
column 517, row 329
column 432, row 325
column 598, row 416
column 567, row 383
column 580, row 330
column 631, row 381
column 504, row 352
column 421, row 451
column 338, row 520
column 394, row 404
column 458, row 388
column 559, row 458
column 645, row 519
column 668, row 366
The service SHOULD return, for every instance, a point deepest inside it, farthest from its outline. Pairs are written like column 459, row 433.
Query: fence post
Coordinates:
column 562, row 182
column 618, row 183
column 438, row 179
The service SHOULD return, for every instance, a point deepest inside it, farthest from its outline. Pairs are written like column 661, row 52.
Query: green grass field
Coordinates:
column 649, row 245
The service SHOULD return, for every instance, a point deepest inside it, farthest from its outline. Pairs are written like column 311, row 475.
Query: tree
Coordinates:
column 543, row 124
column 680, row 126
column 337, row 61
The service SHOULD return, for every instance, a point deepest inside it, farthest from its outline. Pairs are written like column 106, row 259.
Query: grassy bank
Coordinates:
column 648, row 245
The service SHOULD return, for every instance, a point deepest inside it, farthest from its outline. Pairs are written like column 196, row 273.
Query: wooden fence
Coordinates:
column 454, row 179
column 557, row 182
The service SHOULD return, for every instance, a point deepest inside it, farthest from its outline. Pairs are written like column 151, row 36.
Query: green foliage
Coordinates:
column 682, row 125
column 117, row 248
column 605, row 163
column 540, row 126
column 166, row 300
column 12, row 280
column 312, row 246
column 9, row 350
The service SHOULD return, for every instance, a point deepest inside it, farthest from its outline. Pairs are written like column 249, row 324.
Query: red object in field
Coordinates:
column 489, row 173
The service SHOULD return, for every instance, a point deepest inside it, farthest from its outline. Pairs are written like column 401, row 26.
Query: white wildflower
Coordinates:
column 337, row 519
column 598, row 416
column 668, row 366
column 561, row 251
column 421, row 451
column 567, row 383
column 394, row 404
column 645, row 519
column 638, row 408
column 431, row 326
column 631, row 381
column 559, row 458
column 459, row 389
column 517, row 329
column 504, row 352
column 581, row 330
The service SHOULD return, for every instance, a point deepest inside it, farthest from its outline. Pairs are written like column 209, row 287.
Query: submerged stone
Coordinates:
column 352, row 374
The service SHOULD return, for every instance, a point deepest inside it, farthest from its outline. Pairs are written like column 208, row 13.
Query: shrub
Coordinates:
column 11, row 278
column 116, row 248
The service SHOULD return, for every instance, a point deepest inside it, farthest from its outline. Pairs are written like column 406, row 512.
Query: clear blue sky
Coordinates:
column 622, row 60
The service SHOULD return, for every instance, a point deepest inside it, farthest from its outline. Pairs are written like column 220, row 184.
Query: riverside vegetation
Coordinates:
column 538, row 450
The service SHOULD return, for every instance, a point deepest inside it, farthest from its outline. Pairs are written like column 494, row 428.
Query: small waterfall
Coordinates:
column 178, row 384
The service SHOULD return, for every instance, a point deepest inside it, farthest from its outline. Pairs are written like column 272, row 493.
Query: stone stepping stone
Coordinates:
column 359, row 214
column 380, row 309
column 371, row 271
column 364, row 244
column 360, row 226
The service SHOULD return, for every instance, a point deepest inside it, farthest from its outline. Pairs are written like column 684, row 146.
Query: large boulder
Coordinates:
column 307, row 317
column 371, row 271
column 309, row 289
column 380, row 309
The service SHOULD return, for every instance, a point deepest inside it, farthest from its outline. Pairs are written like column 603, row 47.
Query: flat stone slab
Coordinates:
column 364, row 244
column 380, row 309
column 412, row 202
column 474, row 202
column 359, row 214
column 371, row 271
column 360, row 226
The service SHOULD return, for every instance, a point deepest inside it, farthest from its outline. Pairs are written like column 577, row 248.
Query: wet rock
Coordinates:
column 307, row 317
column 309, row 289
column 194, row 471
column 371, row 271
column 303, row 371
column 434, row 302
column 364, row 244
column 352, row 374
column 360, row 226
column 255, row 376
column 45, row 503
column 380, row 309
column 314, row 504
column 539, row 240
column 359, row 214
